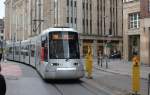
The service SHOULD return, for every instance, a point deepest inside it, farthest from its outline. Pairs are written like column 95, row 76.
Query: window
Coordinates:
column 149, row 6
column 133, row 21
column 129, row 0
column 91, row 26
column 75, row 20
column 32, row 50
column 67, row 2
column 87, row 22
column 83, row 22
column 83, row 5
column 75, row 4
column 71, row 20
column 2, row 31
column 90, row 7
column 63, row 45
column 44, row 49
column 71, row 3
column 67, row 19
column 87, row 6
column 26, row 50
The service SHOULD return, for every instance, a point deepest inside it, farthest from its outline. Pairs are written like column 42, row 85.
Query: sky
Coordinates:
column 2, row 9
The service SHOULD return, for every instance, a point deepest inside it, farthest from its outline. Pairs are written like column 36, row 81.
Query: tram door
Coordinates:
column 43, row 53
column 44, row 50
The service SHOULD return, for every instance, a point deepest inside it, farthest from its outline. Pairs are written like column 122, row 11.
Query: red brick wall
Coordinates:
column 145, row 12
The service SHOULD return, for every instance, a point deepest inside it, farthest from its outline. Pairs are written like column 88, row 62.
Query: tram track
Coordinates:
column 82, row 85
column 64, row 88
column 57, row 88
column 94, row 87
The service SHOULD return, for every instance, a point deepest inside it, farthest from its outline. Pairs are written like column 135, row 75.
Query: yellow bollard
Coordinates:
column 89, row 62
column 136, row 75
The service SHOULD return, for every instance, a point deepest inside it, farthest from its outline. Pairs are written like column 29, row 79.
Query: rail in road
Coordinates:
column 28, row 81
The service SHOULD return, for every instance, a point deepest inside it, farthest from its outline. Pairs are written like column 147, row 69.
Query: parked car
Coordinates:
column 115, row 55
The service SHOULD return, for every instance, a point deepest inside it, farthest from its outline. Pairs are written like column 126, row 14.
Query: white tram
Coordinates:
column 54, row 53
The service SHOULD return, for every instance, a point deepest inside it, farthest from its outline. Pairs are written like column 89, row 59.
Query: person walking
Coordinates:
column 2, row 84
column 1, row 54
column 99, row 58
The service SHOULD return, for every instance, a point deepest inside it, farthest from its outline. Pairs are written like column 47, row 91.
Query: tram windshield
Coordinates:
column 63, row 45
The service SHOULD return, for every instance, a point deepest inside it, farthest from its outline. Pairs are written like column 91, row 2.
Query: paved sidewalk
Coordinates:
column 122, row 67
column 10, row 70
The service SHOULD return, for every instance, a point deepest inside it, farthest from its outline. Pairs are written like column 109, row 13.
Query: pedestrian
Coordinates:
column 99, row 58
column 1, row 54
column 2, row 84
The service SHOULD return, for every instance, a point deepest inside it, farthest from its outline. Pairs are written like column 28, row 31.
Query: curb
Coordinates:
column 114, row 72
column 103, row 89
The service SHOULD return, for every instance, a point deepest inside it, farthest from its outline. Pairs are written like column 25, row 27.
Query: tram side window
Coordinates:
column 22, row 51
column 10, row 50
column 26, row 50
column 45, row 46
column 32, row 50
column 17, row 50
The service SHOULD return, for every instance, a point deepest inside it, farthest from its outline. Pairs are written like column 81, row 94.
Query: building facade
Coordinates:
column 99, row 22
column 131, row 23
column 17, row 20
column 136, row 30
column 1, row 29
column 145, row 31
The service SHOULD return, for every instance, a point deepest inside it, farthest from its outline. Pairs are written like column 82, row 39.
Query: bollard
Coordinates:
column 135, row 75
column 89, row 63
column 149, row 84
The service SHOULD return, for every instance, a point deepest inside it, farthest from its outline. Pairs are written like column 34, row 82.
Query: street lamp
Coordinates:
column 36, row 27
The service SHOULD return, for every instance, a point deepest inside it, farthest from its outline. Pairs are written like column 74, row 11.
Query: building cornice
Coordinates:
column 95, row 37
column 17, row 3
column 7, row 2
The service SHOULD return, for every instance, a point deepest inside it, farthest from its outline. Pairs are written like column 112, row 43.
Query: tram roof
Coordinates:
column 58, row 29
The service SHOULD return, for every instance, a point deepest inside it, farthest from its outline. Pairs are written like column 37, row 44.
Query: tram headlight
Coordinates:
column 54, row 64
column 76, row 64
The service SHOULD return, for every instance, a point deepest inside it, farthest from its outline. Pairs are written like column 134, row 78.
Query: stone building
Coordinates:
column 145, row 31
column 17, row 20
column 99, row 22
column 136, row 18
column 131, row 23
column 1, row 29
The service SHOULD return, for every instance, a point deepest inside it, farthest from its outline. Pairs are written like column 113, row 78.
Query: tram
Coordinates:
column 54, row 53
